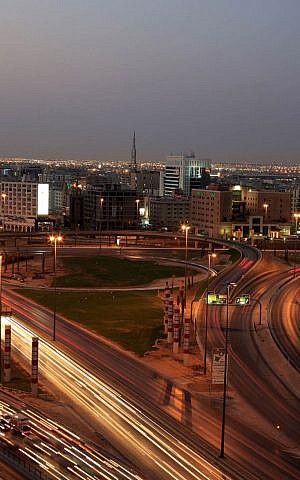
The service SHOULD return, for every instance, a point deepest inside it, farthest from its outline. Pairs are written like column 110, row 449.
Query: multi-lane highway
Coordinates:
column 156, row 443
column 54, row 451
column 284, row 320
column 126, row 399
column 255, row 377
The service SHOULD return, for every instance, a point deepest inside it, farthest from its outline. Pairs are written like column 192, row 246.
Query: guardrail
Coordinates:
column 21, row 464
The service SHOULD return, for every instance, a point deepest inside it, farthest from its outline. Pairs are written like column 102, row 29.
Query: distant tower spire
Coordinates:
column 133, row 165
column 133, row 153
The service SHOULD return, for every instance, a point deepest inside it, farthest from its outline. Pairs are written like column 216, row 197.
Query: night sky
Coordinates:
column 218, row 77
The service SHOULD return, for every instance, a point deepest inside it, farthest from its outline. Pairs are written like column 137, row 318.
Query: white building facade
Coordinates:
column 21, row 204
column 183, row 172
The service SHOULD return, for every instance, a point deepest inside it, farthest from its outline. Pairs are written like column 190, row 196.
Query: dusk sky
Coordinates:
column 218, row 77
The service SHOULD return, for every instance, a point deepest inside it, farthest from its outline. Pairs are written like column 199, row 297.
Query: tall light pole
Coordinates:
column 229, row 286
column 100, row 222
column 266, row 206
column 1, row 257
column 137, row 211
column 210, row 256
column 54, row 239
column 185, row 228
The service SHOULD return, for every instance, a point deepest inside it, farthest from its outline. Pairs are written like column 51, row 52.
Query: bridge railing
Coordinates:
column 18, row 461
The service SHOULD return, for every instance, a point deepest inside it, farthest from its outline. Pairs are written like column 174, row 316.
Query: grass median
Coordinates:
column 134, row 319
column 103, row 271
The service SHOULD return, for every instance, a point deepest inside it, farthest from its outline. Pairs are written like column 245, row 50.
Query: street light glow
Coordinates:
column 56, row 238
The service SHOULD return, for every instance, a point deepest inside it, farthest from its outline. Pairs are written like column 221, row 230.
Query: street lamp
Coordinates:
column 210, row 256
column 54, row 239
column 185, row 228
column 265, row 206
column 1, row 258
column 137, row 211
column 229, row 286
column 100, row 222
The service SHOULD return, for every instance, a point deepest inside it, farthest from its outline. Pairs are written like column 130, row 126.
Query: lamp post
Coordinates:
column 185, row 228
column 266, row 206
column 229, row 285
column 137, row 211
column 1, row 258
column 210, row 256
column 54, row 239
column 100, row 222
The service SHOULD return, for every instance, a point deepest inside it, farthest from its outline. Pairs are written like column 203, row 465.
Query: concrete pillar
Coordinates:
column 7, row 353
column 167, row 294
column 176, row 329
column 182, row 300
column 170, row 321
column 186, row 340
column 34, row 366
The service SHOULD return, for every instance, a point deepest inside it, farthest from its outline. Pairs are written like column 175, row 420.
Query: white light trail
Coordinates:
column 136, row 429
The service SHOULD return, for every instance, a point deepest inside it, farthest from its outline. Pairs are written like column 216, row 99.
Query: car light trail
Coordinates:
column 60, row 456
column 140, row 433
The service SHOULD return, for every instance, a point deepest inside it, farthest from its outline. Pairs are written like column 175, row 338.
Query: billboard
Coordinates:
column 218, row 366
column 43, row 199
column 216, row 298
column 242, row 299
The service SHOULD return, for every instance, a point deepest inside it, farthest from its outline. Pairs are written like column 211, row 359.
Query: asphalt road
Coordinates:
column 284, row 321
column 256, row 380
column 133, row 410
column 150, row 437
column 7, row 473
column 57, row 452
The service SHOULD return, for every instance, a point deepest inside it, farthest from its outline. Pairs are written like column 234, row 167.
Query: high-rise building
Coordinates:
column 104, row 207
column 22, row 203
column 168, row 213
column 295, row 199
column 240, row 212
column 211, row 210
column 272, row 206
column 133, row 165
column 184, row 172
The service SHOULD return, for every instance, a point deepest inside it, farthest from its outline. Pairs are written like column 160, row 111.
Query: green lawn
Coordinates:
column 102, row 271
column 132, row 319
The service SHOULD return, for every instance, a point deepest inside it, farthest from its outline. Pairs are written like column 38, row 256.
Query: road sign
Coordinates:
column 218, row 366
column 216, row 298
column 242, row 299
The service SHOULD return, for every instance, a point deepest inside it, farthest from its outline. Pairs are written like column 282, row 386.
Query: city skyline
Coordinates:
column 218, row 77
